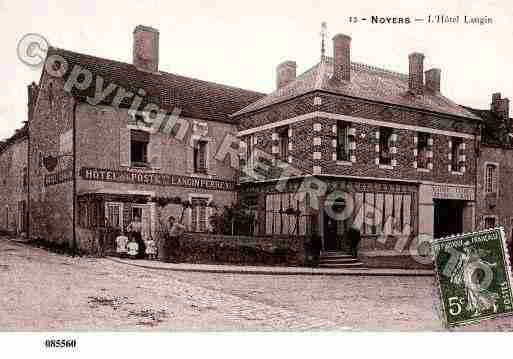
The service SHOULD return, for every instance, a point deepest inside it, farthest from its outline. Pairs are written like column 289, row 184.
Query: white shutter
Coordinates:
column 155, row 151
column 212, row 163
column 189, row 159
column 124, row 146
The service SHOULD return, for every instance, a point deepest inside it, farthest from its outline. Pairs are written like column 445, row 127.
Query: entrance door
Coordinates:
column 144, row 212
column 448, row 217
column 333, row 233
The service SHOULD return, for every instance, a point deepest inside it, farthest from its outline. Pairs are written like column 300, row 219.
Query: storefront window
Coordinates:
column 285, row 214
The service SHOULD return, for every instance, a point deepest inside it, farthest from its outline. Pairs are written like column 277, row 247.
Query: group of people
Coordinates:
column 130, row 243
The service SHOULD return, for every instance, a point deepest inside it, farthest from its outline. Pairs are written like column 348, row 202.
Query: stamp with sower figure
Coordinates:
column 474, row 277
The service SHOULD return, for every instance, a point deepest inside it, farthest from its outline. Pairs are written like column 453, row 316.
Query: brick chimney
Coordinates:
column 342, row 57
column 285, row 73
column 416, row 73
column 146, row 48
column 500, row 106
column 433, row 80
column 32, row 91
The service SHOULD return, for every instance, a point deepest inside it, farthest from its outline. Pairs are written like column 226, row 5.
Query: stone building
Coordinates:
column 13, row 182
column 495, row 167
column 350, row 144
column 343, row 144
column 110, row 139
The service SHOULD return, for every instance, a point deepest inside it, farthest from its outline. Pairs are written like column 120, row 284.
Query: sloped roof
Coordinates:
column 18, row 134
column 196, row 98
column 367, row 82
column 495, row 131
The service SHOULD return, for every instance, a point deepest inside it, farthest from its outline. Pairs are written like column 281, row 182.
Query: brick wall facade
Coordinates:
column 305, row 131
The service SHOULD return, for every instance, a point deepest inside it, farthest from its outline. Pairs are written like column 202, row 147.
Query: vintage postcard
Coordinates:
column 474, row 276
column 238, row 166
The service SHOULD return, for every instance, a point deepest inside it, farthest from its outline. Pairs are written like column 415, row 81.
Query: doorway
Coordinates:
column 335, row 225
column 143, row 211
column 448, row 217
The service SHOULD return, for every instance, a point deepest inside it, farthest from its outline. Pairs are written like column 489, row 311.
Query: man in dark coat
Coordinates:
column 353, row 237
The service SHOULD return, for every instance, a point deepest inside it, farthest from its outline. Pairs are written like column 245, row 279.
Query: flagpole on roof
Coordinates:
column 324, row 35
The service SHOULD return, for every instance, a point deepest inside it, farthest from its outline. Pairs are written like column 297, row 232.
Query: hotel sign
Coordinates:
column 156, row 179
column 453, row 192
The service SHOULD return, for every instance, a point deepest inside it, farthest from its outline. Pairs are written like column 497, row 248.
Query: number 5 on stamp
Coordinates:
column 473, row 276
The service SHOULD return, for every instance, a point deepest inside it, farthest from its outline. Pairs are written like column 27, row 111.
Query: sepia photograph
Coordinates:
column 225, row 168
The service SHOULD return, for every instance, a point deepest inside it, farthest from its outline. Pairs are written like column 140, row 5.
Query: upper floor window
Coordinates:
column 342, row 141
column 490, row 178
column 139, row 148
column 385, row 146
column 283, row 146
column 200, row 157
column 422, row 150
column 455, row 153
column 249, row 150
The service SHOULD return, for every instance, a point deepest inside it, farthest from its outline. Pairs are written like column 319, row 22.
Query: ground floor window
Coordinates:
column 285, row 214
column 383, row 213
column 114, row 214
column 199, row 215
column 490, row 222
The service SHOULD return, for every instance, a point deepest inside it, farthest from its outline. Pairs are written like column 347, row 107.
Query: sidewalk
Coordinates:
column 236, row 269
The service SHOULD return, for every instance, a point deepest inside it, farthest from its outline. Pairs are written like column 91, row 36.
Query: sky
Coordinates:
column 239, row 43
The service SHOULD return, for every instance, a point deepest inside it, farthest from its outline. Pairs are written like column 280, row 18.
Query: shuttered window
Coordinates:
column 199, row 218
column 200, row 157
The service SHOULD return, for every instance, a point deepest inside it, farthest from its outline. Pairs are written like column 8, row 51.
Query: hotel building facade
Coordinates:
column 341, row 144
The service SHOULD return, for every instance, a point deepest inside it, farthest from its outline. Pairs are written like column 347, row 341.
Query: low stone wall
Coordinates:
column 209, row 248
column 393, row 261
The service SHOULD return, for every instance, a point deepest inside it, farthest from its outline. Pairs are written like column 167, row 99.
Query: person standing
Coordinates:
column 135, row 229
column 121, row 245
column 172, row 244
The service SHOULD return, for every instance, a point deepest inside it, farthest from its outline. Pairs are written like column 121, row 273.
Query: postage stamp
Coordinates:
column 473, row 276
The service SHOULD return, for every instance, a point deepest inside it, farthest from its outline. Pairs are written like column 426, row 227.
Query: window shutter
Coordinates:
column 189, row 159
column 202, row 148
column 124, row 146
column 212, row 163
column 155, row 150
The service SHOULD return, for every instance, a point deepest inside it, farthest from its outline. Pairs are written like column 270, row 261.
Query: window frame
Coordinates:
column 456, row 143
column 488, row 217
column 120, row 213
column 423, row 148
column 346, row 148
column 208, row 212
column 196, row 165
column 144, row 163
column 385, row 132
column 495, row 180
